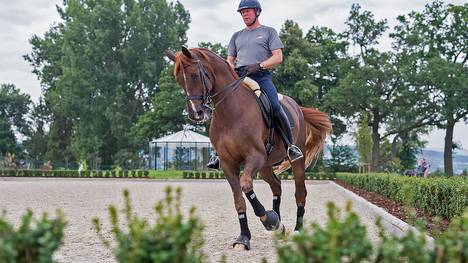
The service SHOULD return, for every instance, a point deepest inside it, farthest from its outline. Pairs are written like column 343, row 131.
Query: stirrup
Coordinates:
column 213, row 163
column 294, row 153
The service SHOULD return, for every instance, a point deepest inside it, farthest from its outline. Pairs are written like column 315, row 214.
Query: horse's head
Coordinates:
column 193, row 77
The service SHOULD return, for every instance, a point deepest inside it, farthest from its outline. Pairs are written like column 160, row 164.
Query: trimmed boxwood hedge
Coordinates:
column 445, row 197
column 73, row 173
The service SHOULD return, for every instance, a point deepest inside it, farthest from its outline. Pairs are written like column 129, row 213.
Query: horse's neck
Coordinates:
column 235, row 105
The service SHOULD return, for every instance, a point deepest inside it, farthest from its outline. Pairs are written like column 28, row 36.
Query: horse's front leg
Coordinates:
column 232, row 175
column 270, row 218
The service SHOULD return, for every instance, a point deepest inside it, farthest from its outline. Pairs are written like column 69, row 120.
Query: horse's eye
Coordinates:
column 194, row 76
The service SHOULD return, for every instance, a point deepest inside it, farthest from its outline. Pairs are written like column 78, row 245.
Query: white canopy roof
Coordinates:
column 184, row 136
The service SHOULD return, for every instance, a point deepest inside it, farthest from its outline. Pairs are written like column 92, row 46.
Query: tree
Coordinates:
column 105, row 73
column 435, row 39
column 217, row 48
column 342, row 159
column 167, row 113
column 364, row 139
column 14, row 106
column 375, row 86
column 36, row 142
column 313, row 65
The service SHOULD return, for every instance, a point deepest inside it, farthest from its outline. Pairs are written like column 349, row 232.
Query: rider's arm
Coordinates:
column 231, row 61
column 274, row 60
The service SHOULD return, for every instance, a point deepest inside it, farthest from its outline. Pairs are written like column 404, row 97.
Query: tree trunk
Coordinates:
column 448, row 158
column 375, row 166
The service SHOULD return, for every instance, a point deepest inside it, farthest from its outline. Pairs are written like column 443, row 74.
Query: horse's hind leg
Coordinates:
column 298, row 168
column 275, row 185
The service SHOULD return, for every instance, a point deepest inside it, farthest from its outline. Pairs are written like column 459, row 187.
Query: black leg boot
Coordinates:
column 213, row 163
column 282, row 122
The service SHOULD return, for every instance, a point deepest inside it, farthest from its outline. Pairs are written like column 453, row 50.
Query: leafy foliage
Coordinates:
column 172, row 238
column 34, row 241
column 343, row 239
column 340, row 238
column 342, row 159
column 14, row 106
column 445, row 197
column 434, row 41
column 100, row 69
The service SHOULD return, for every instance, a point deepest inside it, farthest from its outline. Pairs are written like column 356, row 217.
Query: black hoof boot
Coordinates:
column 242, row 240
column 299, row 224
column 272, row 222
column 213, row 163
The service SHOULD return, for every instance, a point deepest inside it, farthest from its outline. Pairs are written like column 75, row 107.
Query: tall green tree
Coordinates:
column 36, row 142
column 106, row 72
column 375, row 86
column 368, row 87
column 364, row 139
column 14, row 107
column 436, row 41
column 167, row 112
column 313, row 65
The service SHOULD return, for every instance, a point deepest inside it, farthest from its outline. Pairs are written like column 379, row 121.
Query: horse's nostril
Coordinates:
column 200, row 113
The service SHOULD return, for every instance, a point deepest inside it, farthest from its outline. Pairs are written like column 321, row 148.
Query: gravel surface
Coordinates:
column 83, row 199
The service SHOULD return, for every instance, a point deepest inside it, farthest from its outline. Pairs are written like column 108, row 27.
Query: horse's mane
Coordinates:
column 204, row 54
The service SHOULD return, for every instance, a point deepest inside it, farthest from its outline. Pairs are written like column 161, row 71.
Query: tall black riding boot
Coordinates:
column 282, row 123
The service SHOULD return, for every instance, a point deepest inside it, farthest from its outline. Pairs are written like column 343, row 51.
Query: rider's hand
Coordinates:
column 252, row 69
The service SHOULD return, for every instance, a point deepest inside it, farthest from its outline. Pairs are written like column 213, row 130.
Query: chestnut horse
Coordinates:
column 238, row 133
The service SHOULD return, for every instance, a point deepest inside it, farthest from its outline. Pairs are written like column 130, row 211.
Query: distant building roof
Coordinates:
column 184, row 136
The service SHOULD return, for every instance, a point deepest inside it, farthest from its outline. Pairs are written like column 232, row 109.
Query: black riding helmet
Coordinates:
column 245, row 4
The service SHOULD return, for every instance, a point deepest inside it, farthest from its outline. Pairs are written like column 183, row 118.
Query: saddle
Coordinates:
column 267, row 111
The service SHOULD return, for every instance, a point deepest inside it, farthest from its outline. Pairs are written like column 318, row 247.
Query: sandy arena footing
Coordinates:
column 83, row 199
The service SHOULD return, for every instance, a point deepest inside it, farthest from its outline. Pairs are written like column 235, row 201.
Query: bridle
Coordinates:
column 207, row 98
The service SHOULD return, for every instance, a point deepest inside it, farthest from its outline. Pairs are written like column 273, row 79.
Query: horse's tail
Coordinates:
column 317, row 128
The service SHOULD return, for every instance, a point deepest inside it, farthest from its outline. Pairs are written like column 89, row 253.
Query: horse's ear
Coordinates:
column 187, row 52
column 170, row 55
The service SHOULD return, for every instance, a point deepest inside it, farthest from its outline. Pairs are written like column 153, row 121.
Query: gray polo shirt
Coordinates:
column 254, row 46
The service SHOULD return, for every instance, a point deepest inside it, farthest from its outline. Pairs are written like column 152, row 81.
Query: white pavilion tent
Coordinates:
column 183, row 150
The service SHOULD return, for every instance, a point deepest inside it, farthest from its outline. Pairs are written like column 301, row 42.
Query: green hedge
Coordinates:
column 445, row 197
column 74, row 173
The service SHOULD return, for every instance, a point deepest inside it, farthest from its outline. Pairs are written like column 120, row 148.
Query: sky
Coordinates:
column 212, row 20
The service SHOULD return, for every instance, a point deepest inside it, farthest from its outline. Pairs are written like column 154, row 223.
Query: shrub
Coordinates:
column 445, row 197
column 171, row 239
column 35, row 240
column 345, row 240
column 338, row 239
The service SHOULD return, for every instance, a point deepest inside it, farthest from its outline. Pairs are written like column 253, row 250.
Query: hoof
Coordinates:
column 296, row 232
column 242, row 243
column 272, row 222
column 281, row 230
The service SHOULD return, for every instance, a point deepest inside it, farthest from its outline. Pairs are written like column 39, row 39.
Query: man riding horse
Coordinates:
column 238, row 132
column 255, row 51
